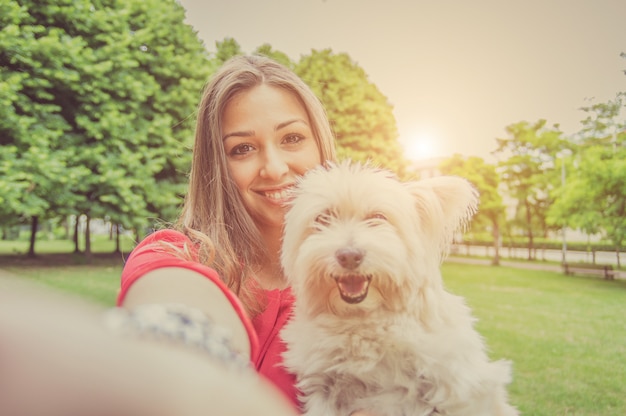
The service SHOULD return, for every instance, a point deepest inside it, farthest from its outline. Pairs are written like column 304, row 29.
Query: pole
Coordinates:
column 564, row 248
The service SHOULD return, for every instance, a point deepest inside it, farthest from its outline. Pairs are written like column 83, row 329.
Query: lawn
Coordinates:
column 565, row 335
column 96, row 278
column 99, row 244
column 97, row 283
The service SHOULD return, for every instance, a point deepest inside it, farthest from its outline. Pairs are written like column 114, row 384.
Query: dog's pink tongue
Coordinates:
column 353, row 287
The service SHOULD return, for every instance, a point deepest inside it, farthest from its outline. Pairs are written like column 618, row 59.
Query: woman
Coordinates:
column 259, row 127
column 212, row 288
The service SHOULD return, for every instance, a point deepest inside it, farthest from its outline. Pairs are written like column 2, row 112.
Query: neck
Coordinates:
column 271, row 277
column 270, row 274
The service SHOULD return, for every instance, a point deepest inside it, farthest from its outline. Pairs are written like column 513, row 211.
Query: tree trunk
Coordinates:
column 87, row 237
column 33, row 234
column 496, row 244
column 617, row 255
column 118, row 248
column 531, row 245
column 76, row 227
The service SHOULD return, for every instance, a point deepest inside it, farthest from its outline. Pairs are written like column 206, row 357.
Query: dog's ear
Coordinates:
column 445, row 204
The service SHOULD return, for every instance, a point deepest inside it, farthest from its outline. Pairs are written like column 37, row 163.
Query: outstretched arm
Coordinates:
column 175, row 285
column 58, row 359
column 157, row 273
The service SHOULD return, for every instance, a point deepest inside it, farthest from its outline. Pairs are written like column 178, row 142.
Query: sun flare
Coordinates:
column 421, row 146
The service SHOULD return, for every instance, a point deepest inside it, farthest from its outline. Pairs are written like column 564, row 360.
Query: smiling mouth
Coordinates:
column 278, row 195
column 353, row 287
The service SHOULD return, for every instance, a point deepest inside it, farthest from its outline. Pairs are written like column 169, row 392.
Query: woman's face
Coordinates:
column 269, row 143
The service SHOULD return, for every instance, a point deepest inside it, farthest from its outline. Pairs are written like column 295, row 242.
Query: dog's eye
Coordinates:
column 323, row 219
column 376, row 218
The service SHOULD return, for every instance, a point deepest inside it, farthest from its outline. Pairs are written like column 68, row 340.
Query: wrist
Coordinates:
column 178, row 325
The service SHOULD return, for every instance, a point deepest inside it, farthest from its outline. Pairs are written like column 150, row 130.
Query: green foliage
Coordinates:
column 594, row 197
column 280, row 57
column 360, row 114
column 226, row 49
column 34, row 175
column 527, row 170
column 486, row 180
column 96, row 108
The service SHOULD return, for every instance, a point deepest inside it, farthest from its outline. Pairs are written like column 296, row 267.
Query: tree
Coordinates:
column 528, row 172
column 226, row 49
column 360, row 114
column 111, row 89
column 491, row 210
column 594, row 198
column 34, row 171
column 280, row 57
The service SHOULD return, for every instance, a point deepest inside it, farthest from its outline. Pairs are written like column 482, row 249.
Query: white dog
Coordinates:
column 373, row 327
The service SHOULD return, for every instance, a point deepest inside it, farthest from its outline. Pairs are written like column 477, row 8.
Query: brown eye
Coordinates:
column 292, row 139
column 241, row 150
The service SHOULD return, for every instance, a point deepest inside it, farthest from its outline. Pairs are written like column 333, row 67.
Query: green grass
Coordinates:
column 96, row 278
column 98, row 283
column 99, row 244
column 565, row 335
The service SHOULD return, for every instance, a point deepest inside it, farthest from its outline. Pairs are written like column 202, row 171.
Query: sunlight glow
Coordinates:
column 422, row 146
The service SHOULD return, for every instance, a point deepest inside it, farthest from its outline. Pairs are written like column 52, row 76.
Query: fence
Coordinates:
column 571, row 256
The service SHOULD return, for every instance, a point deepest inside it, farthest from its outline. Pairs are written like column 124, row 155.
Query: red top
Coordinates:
column 265, row 345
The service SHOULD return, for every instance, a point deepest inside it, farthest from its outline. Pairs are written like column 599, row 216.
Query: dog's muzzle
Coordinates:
column 353, row 287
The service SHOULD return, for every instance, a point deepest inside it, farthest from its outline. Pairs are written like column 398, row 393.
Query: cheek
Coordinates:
column 242, row 175
column 308, row 159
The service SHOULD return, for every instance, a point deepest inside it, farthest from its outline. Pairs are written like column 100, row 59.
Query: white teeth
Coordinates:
column 277, row 195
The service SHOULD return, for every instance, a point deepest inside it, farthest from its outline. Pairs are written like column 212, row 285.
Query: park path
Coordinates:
column 506, row 263
column 519, row 265
column 5, row 274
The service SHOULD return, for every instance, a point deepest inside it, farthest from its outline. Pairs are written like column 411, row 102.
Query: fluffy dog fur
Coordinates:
column 373, row 327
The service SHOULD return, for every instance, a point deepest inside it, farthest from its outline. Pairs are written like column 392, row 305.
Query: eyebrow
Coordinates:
column 239, row 134
column 248, row 133
column 288, row 122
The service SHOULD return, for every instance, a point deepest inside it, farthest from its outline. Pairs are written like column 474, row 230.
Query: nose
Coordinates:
column 275, row 165
column 349, row 257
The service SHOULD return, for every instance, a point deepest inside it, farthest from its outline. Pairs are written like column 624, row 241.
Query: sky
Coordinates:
column 456, row 72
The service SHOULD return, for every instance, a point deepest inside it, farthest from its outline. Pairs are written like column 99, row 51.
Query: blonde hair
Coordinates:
column 214, row 216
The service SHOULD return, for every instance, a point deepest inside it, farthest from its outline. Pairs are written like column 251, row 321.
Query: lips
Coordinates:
column 278, row 195
column 353, row 287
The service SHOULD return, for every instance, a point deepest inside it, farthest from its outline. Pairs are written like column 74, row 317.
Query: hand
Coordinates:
column 57, row 359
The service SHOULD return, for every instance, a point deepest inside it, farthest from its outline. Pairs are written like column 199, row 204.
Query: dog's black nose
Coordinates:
column 349, row 257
